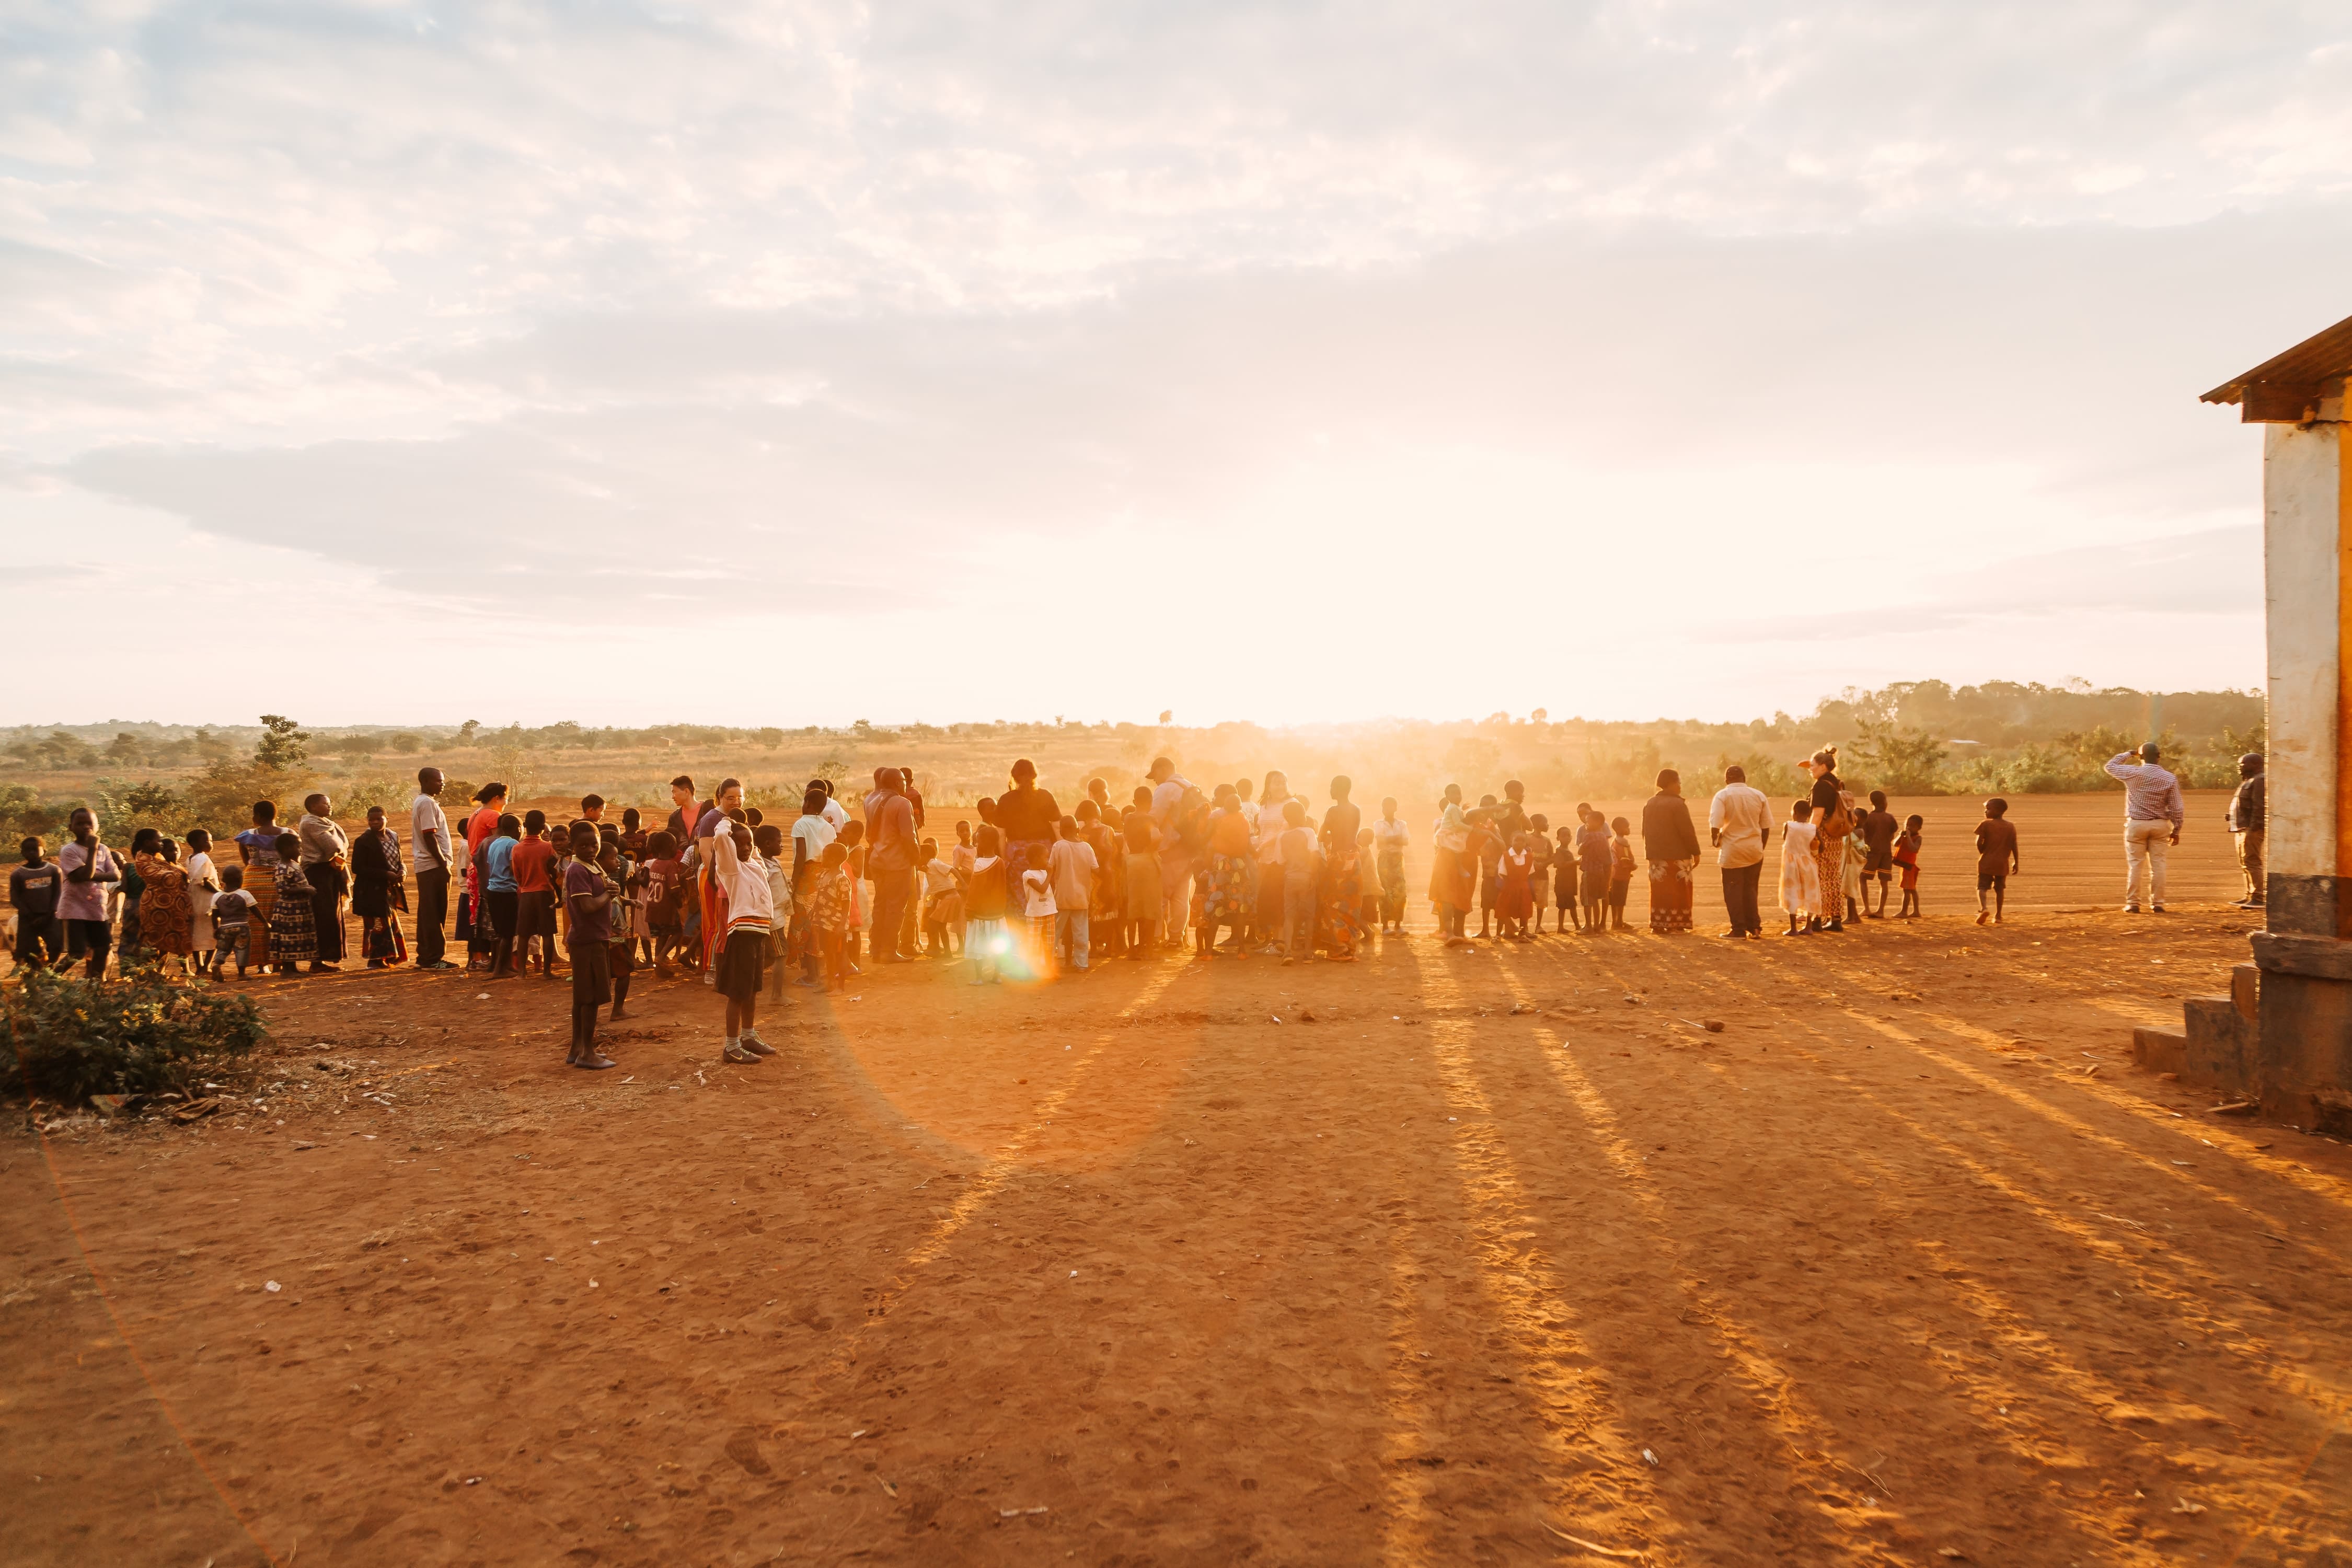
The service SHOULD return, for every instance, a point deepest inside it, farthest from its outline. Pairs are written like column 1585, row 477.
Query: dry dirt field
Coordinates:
column 1442, row 1257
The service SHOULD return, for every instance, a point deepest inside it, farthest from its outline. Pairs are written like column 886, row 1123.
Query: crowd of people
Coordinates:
column 752, row 905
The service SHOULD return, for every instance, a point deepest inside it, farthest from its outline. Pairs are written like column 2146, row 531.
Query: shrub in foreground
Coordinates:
column 65, row 1039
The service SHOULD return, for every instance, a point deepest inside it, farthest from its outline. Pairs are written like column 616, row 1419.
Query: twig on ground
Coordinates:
column 1593, row 1546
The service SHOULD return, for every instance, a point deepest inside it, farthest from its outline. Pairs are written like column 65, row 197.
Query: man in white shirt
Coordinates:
column 2154, row 814
column 889, row 863
column 430, row 858
column 1740, row 825
column 1168, row 787
column 834, row 812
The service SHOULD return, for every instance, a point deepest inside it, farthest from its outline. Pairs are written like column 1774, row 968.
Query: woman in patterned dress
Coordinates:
column 1225, row 899
column 1832, row 822
column 167, row 918
column 1670, row 844
column 293, row 928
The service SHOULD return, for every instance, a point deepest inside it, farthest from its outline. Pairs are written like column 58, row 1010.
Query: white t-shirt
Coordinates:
column 428, row 838
column 815, row 832
column 1743, row 816
column 203, row 883
column 1038, row 885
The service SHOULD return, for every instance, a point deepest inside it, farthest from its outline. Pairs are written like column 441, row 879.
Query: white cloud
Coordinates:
column 478, row 307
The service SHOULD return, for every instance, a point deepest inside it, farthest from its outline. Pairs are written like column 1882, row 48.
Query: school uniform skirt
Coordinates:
column 742, row 964
column 591, row 973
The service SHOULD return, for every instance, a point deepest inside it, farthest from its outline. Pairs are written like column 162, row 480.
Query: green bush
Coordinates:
column 22, row 815
column 66, row 1039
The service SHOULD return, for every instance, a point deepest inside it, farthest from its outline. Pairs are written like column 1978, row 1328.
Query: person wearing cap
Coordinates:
column 2246, row 820
column 2153, row 815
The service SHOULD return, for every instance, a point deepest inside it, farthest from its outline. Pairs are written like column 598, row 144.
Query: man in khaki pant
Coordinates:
column 2246, row 820
column 2153, row 815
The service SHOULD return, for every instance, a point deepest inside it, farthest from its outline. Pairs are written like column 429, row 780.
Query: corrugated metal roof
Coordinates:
column 2291, row 381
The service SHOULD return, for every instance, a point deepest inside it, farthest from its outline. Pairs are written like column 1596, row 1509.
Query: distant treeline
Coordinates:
column 1911, row 738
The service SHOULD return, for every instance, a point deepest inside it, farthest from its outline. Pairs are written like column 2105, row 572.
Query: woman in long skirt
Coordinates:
column 165, row 917
column 378, row 887
column 293, row 926
column 1452, row 877
column 1670, row 844
column 1831, row 823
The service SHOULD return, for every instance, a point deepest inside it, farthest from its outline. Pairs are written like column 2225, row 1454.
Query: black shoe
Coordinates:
column 1834, row 925
column 437, row 964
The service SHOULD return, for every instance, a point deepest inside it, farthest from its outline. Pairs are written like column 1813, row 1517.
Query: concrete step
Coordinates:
column 2160, row 1050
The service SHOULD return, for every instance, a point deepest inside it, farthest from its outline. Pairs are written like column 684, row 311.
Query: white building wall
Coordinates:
column 2301, row 490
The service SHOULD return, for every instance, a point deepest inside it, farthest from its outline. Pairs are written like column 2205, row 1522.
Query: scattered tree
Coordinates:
column 284, row 744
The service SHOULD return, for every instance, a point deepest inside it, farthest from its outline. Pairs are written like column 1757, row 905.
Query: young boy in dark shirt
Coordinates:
column 665, row 881
column 33, row 894
column 592, row 898
column 1997, row 858
column 1877, row 830
column 1621, row 870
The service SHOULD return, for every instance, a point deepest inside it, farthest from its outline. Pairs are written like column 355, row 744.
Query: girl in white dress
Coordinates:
column 203, row 885
column 1800, row 875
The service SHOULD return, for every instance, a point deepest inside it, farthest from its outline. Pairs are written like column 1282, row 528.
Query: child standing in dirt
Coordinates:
column 1876, row 831
column 232, row 922
column 942, row 901
column 1997, row 858
column 985, row 895
column 1538, row 866
column 1801, row 872
column 1296, row 850
column 665, row 879
column 1906, row 856
column 1515, row 901
column 829, row 913
column 1620, row 870
column 853, row 867
column 1038, row 910
column 1487, row 843
column 1592, row 857
column 589, row 896
column 1565, row 874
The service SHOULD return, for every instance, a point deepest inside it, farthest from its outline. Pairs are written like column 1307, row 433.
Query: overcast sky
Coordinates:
column 794, row 363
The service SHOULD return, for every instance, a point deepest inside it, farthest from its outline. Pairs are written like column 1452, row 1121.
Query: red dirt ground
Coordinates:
column 1123, row 1270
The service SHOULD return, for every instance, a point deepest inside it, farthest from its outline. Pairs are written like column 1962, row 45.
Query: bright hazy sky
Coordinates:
column 794, row 363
